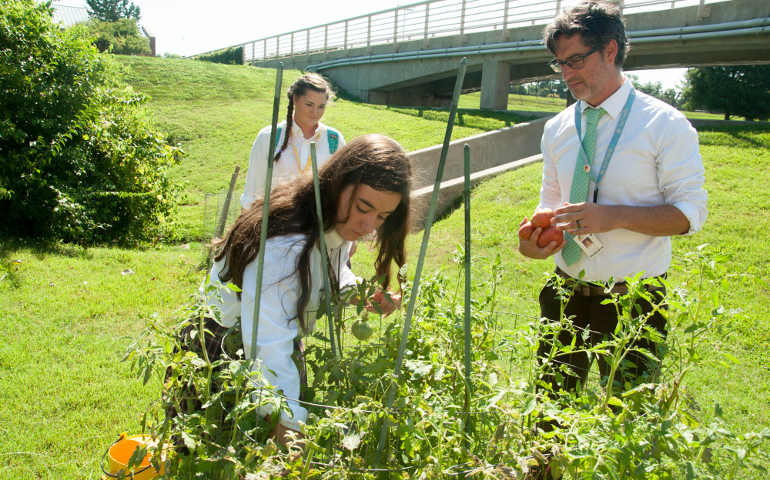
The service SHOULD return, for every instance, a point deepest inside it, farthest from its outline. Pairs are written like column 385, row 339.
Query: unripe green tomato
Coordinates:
column 362, row 330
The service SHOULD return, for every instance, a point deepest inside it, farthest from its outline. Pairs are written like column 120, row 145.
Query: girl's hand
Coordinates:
column 384, row 302
column 285, row 435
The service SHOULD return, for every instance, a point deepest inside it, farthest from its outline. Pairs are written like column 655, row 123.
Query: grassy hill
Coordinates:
column 69, row 313
column 215, row 111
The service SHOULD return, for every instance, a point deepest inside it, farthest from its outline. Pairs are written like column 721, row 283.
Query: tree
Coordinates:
column 732, row 90
column 112, row 10
column 120, row 37
column 80, row 161
column 655, row 89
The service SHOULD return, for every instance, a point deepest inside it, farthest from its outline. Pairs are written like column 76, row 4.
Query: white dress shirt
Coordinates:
column 294, row 160
column 278, row 326
column 656, row 162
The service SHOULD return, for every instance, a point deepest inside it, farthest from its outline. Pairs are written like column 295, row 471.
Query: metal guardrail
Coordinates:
column 425, row 21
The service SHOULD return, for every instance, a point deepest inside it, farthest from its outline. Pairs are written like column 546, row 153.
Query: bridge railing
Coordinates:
column 424, row 21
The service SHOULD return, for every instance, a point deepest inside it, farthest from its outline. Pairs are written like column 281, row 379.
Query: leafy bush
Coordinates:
column 230, row 56
column 80, row 162
column 651, row 431
column 120, row 37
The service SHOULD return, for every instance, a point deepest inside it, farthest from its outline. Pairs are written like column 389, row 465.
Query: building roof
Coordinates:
column 68, row 16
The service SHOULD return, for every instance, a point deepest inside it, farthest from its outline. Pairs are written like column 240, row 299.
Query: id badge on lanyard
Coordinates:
column 590, row 243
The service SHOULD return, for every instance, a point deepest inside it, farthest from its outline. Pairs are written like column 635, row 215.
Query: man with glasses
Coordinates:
column 622, row 173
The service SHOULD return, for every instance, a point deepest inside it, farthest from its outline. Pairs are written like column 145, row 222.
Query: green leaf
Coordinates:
column 530, row 406
column 189, row 442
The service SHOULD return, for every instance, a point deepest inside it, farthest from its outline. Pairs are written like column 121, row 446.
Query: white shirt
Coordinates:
column 656, row 162
column 294, row 160
column 278, row 326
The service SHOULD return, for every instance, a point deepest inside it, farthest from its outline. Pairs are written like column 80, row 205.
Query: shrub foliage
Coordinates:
column 230, row 56
column 80, row 162
column 120, row 37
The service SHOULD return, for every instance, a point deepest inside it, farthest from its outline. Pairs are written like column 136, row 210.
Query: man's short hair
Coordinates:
column 597, row 22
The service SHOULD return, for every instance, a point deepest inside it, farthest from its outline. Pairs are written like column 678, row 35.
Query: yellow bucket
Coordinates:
column 120, row 453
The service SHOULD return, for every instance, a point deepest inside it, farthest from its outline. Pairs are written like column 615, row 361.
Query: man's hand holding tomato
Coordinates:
column 539, row 238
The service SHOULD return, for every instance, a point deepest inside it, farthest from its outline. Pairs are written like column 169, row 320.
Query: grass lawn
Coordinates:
column 69, row 314
column 529, row 103
column 215, row 112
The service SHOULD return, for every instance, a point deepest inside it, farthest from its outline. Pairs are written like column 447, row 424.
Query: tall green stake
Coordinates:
column 322, row 246
column 266, row 211
column 220, row 228
column 423, row 249
column 467, row 199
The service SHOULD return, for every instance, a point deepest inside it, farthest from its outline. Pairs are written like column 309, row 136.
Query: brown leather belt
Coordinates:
column 596, row 289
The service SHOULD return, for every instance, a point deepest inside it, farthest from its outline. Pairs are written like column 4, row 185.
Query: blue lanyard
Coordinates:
column 613, row 143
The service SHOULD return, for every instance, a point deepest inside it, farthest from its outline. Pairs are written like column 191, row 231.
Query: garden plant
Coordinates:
column 604, row 430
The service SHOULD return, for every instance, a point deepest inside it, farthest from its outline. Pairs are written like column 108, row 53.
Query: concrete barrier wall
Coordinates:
column 488, row 149
column 492, row 153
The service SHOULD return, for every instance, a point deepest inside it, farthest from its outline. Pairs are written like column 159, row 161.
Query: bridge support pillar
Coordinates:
column 495, row 77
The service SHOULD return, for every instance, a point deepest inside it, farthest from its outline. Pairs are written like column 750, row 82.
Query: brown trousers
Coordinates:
column 588, row 312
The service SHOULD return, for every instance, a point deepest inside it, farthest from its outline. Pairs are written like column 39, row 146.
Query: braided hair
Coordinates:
column 308, row 81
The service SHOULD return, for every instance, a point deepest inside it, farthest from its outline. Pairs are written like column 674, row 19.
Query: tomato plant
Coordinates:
column 207, row 409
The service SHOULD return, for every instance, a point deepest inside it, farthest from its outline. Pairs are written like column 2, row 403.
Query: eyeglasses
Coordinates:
column 575, row 62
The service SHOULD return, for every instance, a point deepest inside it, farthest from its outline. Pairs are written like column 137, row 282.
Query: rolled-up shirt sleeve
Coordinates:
column 277, row 326
column 680, row 172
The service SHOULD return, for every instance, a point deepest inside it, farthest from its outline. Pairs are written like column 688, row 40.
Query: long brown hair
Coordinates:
column 308, row 81
column 373, row 160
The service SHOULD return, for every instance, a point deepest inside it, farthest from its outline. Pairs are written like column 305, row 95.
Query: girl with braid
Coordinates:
column 364, row 190
column 308, row 97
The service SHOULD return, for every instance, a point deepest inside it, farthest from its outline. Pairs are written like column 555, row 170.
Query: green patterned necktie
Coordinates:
column 582, row 178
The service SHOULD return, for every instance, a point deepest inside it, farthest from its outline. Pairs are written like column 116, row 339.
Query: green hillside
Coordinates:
column 215, row 111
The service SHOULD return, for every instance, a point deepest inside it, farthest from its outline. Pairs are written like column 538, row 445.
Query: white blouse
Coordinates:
column 294, row 160
column 278, row 326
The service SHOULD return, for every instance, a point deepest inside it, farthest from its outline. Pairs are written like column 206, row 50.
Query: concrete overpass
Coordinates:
column 408, row 55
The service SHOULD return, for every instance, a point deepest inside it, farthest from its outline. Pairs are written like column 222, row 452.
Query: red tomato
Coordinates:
column 548, row 235
column 525, row 231
column 542, row 218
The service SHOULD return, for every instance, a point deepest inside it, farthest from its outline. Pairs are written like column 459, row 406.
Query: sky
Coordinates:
column 187, row 27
